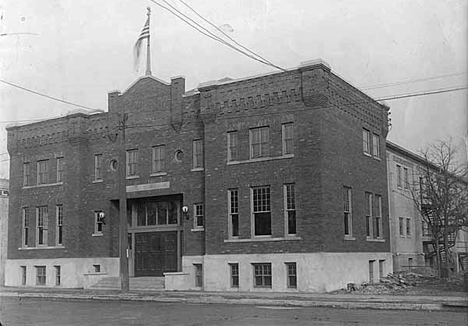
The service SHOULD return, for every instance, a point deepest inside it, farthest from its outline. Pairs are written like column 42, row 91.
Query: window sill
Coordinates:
column 349, row 238
column 158, row 174
column 98, row 181
column 367, row 154
column 198, row 230
column 261, row 159
column 197, row 169
column 97, row 234
column 377, row 158
column 41, row 247
column 44, row 185
column 259, row 239
column 375, row 240
column 132, row 177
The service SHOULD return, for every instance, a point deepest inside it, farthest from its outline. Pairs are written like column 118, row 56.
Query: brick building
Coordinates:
column 4, row 196
column 283, row 174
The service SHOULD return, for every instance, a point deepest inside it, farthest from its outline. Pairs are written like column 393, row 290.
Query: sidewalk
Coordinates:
column 347, row 301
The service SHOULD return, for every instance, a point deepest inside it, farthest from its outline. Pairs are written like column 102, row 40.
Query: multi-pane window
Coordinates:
column 198, row 217
column 98, row 222
column 234, row 275
column 42, row 172
column 27, row 174
column 406, row 178
column 261, row 210
column 233, row 146
column 42, row 225
column 40, row 275
column 290, row 208
column 23, row 275
column 260, row 142
column 159, row 159
column 292, row 275
column 366, row 141
column 371, row 271
column 60, row 165
column 398, row 167
column 198, row 154
column 233, row 202
column 25, row 226
column 150, row 213
column 376, row 145
column 347, row 212
column 378, row 217
column 98, row 167
column 401, row 222
column 262, row 275
column 132, row 162
column 408, row 227
column 288, row 138
column 198, row 274
column 58, row 275
column 59, row 219
column 368, row 197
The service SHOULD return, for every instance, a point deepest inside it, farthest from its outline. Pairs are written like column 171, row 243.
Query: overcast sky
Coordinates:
column 80, row 50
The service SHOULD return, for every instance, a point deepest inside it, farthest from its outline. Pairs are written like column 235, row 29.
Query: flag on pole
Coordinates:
column 143, row 35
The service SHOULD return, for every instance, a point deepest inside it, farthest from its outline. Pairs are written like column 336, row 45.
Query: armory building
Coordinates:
column 284, row 176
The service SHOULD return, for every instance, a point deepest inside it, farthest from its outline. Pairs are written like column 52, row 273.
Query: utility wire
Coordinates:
column 411, row 81
column 396, row 97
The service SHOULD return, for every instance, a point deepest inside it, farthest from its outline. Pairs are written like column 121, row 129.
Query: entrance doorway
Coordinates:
column 155, row 253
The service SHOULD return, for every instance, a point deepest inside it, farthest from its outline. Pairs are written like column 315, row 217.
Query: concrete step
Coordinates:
column 136, row 283
column 107, row 283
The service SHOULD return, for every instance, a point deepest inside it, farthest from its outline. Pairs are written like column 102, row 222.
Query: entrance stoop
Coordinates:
column 136, row 283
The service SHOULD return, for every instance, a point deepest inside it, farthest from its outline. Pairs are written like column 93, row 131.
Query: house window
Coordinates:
column 406, row 179
column 59, row 219
column 40, row 275
column 98, row 167
column 198, row 217
column 25, row 226
column 292, row 275
column 233, row 146
column 378, row 217
column 23, row 275
column 290, row 208
column 159, row 157
column 366, row 141
column 371, row 271
column 259, row 142
column 198, row 154
column 234, row 275
column 347, row 212
column 58, row 276
column 408, row 227
column 42, row 225
column 262, row 275
column 401, row 221
column 97, row 268
column 288, row 138
column 368, row 214
column 27, row 174
column 233, row 202
column 60, row 165
column 43, row 172
column 132, row 163
column 198, row 274
column 398, row 167
column 376, row 145
column 261, row 210
column 381, row 268
column 98, row 222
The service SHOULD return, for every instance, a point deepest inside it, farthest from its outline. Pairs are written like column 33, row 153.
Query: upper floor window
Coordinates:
column 290, row 208
column 233, row 202
column 60, row 165
column 233, row 146
column 260, row 142
column 347, row 212
column 198, row 216
column 399, row 181
column 368, row 197
column 378, row 217
column 376, row 145
column 27, row 174
column 198, row 154
column 42, row 172
column 366, row 141
column 59, row 229
column 159, row 159
column 42, row 225
column 288, row 138
column 25, row 226
column 408, row 227
column 98, row 167
column 261, row 210
column 406, row 178
column 98, row 222
column 132, row 162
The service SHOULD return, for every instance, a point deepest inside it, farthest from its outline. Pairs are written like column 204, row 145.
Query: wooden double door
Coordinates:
column 155, row 253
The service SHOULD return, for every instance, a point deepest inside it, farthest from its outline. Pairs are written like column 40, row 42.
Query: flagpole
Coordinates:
column 148, row 56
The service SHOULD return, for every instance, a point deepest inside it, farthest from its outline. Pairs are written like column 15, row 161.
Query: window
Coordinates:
column 378, row 217
column 98, row 222
column 376, row 145
column 60, row 165
column 159, row 158
column 381, row 268
column 406, row 179
column 260, row 142
column 234, row 275
column 261, row 211
column 25, row 227
column 366, row 141
column 198, row 154
column 400, row 225
column 233, row 202
column 410, row 263
column 27, row 174
column 347, row 212
column 58, row 276
column 59, row 219
column 150, row 213
column 398, row 176
column 371, row 271
column 40, row 275
column 425, row 228
column 23, row 275
column 42, row 225
column 98, row 167
column 368, row 215
column 233, row 146
column 198, row 217
column 408, row 227
column 42, row 172
column 198, row 274
column 292, row 275
column 132, row 163
column 97, row 268
column 288, row 138
column 262, row 275
column 290, row 208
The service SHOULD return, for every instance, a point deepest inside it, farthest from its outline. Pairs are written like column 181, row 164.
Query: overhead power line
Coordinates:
column 438, row 91
column 411, row 81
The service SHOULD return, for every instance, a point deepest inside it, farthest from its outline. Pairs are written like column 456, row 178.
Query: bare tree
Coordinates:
column 442, row 199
